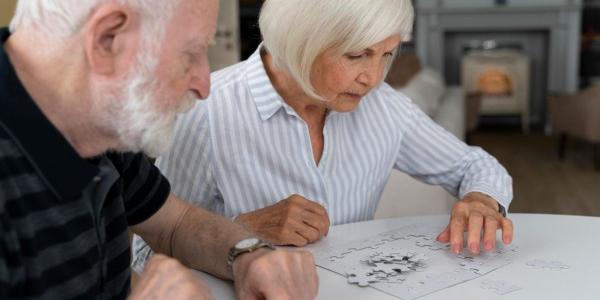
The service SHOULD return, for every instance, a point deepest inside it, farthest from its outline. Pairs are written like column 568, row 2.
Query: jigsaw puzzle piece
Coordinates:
column 361, row 278
column 499, row 287
column 547, row 265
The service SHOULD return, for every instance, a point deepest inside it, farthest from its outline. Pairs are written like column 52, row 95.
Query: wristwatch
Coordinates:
column 246, row 246
column 502, row 210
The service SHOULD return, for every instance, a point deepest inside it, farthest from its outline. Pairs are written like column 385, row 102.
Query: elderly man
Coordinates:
column 81, row 84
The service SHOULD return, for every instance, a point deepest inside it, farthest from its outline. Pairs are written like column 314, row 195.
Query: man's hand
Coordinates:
column 472, row 214
column 275, row 274
column 165, row 278
column 292, row 221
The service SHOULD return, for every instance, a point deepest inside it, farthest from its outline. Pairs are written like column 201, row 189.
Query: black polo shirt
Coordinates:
column 63, row 219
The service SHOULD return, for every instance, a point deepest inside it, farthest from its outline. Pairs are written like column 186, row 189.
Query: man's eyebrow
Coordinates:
column 197, row 44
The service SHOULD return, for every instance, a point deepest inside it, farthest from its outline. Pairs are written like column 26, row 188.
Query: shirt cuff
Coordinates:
column 502, row 197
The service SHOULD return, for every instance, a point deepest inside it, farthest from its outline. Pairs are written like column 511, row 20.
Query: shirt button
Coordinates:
column 97, row 179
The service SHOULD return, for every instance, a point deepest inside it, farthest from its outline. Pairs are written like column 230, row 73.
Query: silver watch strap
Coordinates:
column 233, row 253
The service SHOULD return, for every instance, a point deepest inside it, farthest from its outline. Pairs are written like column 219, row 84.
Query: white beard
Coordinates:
column 145, row 128
column 131, row 111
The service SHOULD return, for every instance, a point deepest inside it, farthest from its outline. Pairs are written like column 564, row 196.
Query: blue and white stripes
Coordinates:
column 244, row 148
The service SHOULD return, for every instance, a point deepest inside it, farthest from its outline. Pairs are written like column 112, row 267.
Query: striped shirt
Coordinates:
column 63, row 219
column 244, row 148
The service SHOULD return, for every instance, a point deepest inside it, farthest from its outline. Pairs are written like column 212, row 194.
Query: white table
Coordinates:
column 572, row 240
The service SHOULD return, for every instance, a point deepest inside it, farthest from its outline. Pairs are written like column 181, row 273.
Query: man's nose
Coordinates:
column 200, row 80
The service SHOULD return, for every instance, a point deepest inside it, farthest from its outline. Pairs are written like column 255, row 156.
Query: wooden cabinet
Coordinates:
column 7, row 8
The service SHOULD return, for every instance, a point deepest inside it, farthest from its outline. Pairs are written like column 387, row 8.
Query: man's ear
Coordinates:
column 111, row 38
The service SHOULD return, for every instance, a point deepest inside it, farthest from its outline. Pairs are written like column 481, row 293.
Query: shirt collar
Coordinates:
column 267, row 100
column 50, row 153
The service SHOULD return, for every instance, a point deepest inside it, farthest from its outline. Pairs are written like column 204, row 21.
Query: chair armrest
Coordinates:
column 578, row 114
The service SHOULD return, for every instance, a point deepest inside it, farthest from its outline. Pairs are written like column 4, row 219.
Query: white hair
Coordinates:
column 139, row 124
column 295, row 32
column 63, row 18
column 126, row 106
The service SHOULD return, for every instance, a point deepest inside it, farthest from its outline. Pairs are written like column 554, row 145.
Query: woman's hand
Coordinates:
column 475, row 214
column 292, row 221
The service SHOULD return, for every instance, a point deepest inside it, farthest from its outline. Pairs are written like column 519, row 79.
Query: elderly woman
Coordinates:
column 305, row 133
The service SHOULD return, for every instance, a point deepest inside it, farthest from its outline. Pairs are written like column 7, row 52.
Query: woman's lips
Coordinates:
column 353, row 95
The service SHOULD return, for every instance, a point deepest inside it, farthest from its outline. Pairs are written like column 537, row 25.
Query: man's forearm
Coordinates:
column 198, row 238
column 201, row 240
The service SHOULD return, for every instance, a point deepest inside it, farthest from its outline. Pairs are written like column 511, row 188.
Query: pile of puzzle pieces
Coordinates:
column 391, row 267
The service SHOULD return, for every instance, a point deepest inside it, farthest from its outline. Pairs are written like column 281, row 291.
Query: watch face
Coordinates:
column 247, row 243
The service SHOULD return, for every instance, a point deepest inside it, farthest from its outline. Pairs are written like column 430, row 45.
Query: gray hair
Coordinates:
column 295, row 32
column 63, row 18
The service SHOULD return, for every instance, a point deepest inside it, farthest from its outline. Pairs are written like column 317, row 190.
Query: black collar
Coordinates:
column 49, row 152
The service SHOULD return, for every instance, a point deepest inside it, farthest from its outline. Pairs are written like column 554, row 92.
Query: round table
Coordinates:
column 572, row 240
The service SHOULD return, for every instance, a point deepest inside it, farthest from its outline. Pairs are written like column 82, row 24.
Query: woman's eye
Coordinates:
column 355, row 56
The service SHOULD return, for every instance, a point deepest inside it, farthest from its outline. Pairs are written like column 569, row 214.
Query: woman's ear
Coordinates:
column 111, row 38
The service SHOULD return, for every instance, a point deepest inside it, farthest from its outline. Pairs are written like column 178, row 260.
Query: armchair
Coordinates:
column 577, row 116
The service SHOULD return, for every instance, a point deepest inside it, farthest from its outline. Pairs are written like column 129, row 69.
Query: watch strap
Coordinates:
column 502, row 210
column 235, row 252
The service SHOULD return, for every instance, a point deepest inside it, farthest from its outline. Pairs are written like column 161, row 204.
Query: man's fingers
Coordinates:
column 474, row 233
column 457, row 229
column 507, row 231
column 489, row 235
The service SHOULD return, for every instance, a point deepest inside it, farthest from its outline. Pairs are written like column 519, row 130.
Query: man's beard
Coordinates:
column 133, row 113
column 143, row 126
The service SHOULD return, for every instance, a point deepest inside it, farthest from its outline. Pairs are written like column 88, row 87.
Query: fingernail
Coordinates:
column 488, row 245
column 456, row 249
column 474, row 248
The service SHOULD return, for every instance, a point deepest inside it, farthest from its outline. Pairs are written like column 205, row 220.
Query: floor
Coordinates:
column 543, row 183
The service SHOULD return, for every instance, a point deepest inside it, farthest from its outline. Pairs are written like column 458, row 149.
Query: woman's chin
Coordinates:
column 346, row 105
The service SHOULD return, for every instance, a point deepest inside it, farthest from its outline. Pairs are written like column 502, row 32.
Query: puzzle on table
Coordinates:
column 499, row 287
column 409, row 263
column 547, row 265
